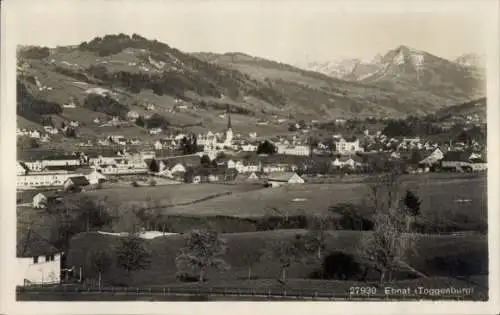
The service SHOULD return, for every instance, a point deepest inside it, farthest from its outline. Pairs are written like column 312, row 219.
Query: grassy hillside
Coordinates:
column 165, row 249
column 136, row 71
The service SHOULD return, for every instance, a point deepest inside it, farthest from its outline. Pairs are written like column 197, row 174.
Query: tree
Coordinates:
column 266, row 147
column 386, row 248
column 250, row 257
column 203, row 249
column 205, row 160
column 128, row 221
column 411, row 208
column 315, row 238
column 140, row 121
column 287, row 252
column 132, row 255
column 99, row 262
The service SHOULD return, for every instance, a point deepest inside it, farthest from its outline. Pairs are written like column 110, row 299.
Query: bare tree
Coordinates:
column 250, row 257
column 99, row 262
column 388, row 245
column 315, row 238
column 386, row 248
column 204, row 249
column 286, row 252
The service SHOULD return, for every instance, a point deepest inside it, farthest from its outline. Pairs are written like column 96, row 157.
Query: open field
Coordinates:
column 462, row 195
column 470, row 249
column 165, row 195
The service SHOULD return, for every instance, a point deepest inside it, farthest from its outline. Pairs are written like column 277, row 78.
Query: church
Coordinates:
column 214, row 143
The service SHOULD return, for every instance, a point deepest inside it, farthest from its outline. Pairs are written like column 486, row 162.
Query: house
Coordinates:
column 45, row 179
column 132, row 115
column 155, row 131
column 70, row 104
column 150, row 107
column 460, row 161
column 135, row 142
column 279, row 179
column 22, row 169
column 95, row 177
column 74, row 123
column 34, row 134
column 178, row 168
column 158, row 145
column 242, row 178
column 75, row 183
column 286, row 149
column 96, row 121
column 38, row 262
column 433, row 159
column 42, row 199
column 353, row 161
column 348, row 146
column 249, row 148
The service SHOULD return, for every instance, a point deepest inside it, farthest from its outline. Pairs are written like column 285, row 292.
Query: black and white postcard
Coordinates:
column 299, row 154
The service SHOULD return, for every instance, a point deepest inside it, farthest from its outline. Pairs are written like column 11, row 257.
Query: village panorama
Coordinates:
column 148, row 172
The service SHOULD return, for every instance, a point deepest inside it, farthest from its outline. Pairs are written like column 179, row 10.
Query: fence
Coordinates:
column 211, row 293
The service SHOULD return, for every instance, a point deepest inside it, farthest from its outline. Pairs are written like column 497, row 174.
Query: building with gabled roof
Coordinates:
column 76, row 183
column 38, row 262
column 279, row 179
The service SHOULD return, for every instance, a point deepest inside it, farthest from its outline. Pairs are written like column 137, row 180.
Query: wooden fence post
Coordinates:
column 163, row 291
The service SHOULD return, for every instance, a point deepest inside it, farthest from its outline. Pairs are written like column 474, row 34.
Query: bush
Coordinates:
column 134, row 184
column 340, row 266
column 152, row 182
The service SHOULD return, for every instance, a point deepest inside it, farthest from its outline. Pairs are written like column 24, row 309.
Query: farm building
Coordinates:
column 461, row 161
column 279, row 179
column 246, row 178
column 76, row 183
column 42, row 199
column 38, row 262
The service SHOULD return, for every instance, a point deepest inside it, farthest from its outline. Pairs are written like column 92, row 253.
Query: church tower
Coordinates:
column 229, row 131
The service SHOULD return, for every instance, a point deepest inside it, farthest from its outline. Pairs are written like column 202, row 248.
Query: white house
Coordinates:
column 38, row 262
column 95, row 177
column 348, row 146
column 155, row 131
column 276, row 168
column 158, row 145
column 301, row 150
column 279, row 179
column 347, row 161
column 34, row 134
column 178, row 168
column 132, row 115
column 249, row 147
column 43, row 180
column 21, row 168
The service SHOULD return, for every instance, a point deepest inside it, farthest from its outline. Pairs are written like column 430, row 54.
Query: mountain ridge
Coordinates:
column 140, row 70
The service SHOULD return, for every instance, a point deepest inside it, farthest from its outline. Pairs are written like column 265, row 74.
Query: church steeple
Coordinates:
column 229, row 117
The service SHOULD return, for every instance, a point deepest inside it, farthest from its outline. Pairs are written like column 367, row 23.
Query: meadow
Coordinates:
column 427, row 258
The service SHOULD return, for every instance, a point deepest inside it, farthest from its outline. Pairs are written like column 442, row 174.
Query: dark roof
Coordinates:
column 190, row 160
column 31, row 244
column 79, row 180
column 61, row 168
column 457, row 156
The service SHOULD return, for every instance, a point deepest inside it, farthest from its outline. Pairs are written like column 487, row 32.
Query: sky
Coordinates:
column 294, row 32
